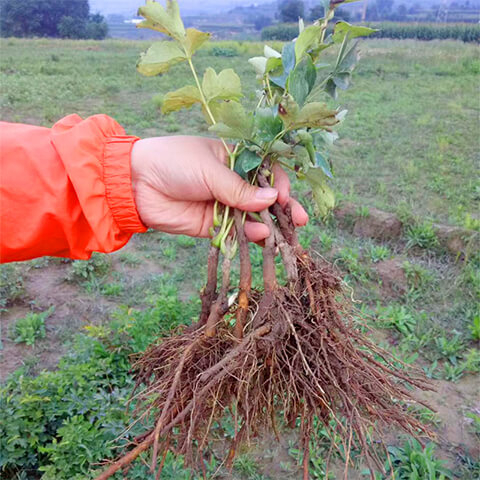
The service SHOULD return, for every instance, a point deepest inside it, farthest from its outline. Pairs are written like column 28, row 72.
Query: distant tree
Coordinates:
column 316, row 12
column 261, row 22
column 342, row 14
column 291, row 10
column 45, row 18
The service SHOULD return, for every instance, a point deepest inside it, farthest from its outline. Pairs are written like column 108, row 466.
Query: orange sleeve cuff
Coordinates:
column 118, row 183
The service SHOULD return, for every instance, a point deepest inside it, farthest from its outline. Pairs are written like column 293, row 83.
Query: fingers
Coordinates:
column 230, row 189
column 255, row 231
column 282, row 184
column 299, row 215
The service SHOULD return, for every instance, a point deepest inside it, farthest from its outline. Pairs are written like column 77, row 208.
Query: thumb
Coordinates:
column 230, row 189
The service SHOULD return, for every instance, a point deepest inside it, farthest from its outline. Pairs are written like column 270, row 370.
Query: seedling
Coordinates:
column 30, row 328
column 293, row 347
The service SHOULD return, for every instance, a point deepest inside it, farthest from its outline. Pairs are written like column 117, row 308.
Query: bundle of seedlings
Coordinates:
column 293, row 352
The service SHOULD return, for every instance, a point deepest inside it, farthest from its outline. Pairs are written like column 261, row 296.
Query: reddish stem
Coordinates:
column 208, row 294
column 245, row 283
column 269, row 276
column 220, row 306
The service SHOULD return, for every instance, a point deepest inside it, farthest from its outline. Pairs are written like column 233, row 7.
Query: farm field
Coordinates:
column 409, row 147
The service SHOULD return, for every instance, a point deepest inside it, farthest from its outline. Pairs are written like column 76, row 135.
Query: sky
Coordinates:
column 195, row 7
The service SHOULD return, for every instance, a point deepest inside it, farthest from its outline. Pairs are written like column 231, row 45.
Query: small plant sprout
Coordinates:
column 30, row 328
column 293, row 348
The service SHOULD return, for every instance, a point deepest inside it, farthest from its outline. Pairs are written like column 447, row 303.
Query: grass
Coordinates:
column 422, row 135
column 407, row 147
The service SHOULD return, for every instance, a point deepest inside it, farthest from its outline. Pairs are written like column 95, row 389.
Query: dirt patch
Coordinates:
column 378, row 224
column 392, row 276
column 457, row 240
column 452, row 401
column 46, row 287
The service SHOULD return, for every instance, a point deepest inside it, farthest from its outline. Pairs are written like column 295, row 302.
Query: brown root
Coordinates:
column 295, row 349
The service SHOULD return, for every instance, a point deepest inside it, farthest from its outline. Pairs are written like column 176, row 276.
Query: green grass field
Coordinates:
column 410, row 146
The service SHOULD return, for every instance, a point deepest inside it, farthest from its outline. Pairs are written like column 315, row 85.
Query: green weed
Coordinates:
column 30, row 328
column 398, row 317
column 11, row 284
column 377, row 253
column 413, row 462
column 421, row 235
column 87, row 270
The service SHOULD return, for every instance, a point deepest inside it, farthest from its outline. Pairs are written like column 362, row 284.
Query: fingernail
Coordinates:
column 266, row 193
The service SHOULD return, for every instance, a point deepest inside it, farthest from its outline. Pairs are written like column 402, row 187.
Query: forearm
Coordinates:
column 65, row 191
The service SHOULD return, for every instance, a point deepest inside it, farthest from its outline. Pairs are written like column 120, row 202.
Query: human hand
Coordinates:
column 177, row 179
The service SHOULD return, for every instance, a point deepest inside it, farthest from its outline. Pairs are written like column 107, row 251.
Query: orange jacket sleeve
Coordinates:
column 65, row 191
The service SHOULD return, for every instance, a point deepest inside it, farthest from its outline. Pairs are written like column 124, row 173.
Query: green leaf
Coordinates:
column 349, row 60
column 302, row 157
column 246, row 162
column 273, row 64
column 281, row 148
column 288, row 62
column 342, row 80
column 195, row 39
column 159, row 58
column 288, row 109
column 342, row 29
column 166, row 20
column 322, row 193
column 302, row 79
column 226, row 85
column 316, row 114
column 331, row 88
column 234, row 122
column 288, row 57
column 322, row 163
column 307, row 40
column 184, row 97
column 267, row 124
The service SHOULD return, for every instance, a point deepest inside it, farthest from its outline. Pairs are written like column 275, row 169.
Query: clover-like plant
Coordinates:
column 292, row 351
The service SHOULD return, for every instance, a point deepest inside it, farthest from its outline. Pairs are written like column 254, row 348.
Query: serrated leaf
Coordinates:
column 270, row 52
column 316, row 114
column 184, row 97
column 307, row 40
column 195, row 39
column 226, row 85
column 159, row 58
column 322, row 193
column 342, row 29
column 233, row 121
column 302, row 79
column 267, row 124
column 166, row 20
column 246, row 162
column 321, row 162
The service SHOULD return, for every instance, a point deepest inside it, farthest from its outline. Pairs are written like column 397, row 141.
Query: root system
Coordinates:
column 290, row 353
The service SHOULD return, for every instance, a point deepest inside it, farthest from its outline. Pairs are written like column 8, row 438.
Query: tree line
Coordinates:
column 50, row 18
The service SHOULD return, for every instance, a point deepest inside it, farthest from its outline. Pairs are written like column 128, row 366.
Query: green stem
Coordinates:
column 205, row 104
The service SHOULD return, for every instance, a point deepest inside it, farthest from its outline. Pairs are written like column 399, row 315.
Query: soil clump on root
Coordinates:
column 296, row 349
